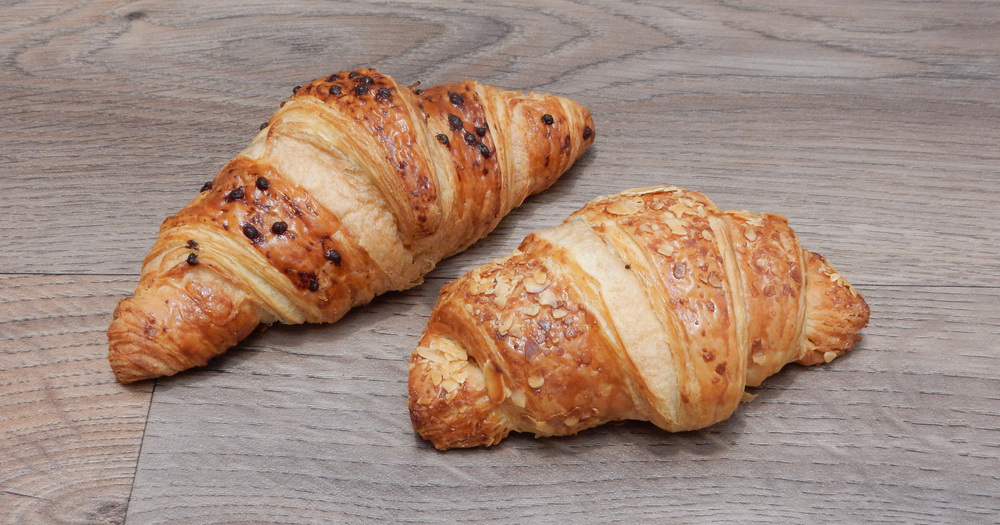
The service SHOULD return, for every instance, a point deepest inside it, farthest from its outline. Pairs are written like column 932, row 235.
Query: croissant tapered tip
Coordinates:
column 835, row 313
column 165, row 329
column 450, row 404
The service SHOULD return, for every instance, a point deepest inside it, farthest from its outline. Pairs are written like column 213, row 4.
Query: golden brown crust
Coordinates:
column 348, row 191
column 651, row 304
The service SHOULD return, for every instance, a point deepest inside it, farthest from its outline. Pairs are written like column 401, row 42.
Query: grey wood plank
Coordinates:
column 850, row 119
column 69, row 433
column 308, row 425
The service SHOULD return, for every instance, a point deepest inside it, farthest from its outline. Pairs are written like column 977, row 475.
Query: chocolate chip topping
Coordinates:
column 547, row 119
column 262, row 184
column 235, row 195
column 353, row 74
column 361, row 89
column 279, row 227
column 481, row 130
column 335, row 90
column 192, row 259
column 383, row 94
column 470, row 139
column 296, row 89
column 251, row 232
column 455, row 98
column 333, row 255
column 442, row 138
column 366, row 80
column 313, row 285
column 454, row 122
column 264, row 125
column 587, row 132
column 207, row 186
column 485, row 150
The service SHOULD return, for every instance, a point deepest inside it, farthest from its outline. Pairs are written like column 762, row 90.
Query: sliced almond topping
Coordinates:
column 506, row 323
column 531, row 310
column 750, row 234
column 829, row 356
column 571, row 421
column 714, row 280
column 547, row 297
column 531, row 286
column 624, row 207
column 665, row 249
column 517, row 397
column 494, row 386
column 426, row 353
column 540, row 277
column 748, row 397
column 834, row 277
column 678, row 209
column 656, row 205
column 707, row 235
column 450, row 385
column 676, row 227
column 536, row 381
column 435, row 376
column 559, row 313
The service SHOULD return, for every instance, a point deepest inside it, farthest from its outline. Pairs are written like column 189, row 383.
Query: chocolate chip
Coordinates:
column 296, row 89
column 192, row 259
column 279, row 227
column 235, row 195
column 262, row 184
column 353, row 74
column 361, row 89
column 454, row 122
column 333, row 77
column 442, row 138
column 313, row 285
column 264, row 125
column 207, row 186
column 366, row 80
column 547, row 119
column 455, row 98
column 191, row 244
column 485, row 150
column 481, row 130
column 587, row 132
column 335, row 90
column 383, row 94
column 470, row 139
column 333, row 255
column 418, row 92
column 251, row 232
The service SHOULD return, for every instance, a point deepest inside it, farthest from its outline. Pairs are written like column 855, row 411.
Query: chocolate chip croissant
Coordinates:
column 355, row 187
column 651, row 304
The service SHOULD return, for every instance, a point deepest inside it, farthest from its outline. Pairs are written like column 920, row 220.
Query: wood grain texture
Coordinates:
column 69, row 433
column 872, row 126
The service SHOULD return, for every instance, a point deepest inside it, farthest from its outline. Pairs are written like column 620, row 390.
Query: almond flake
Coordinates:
column 829, row 356
column 676, row 227
column 547, row 297
column 531, row 310
column 559, row 313
column 707, row 235
column 536, row 381
column 750, row 235
column 623, row 207
column 665, row 249
column 517, row 397
column 571, row 421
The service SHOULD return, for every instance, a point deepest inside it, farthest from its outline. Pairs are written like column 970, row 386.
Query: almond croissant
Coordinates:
column 355, row 187
column 652, row 305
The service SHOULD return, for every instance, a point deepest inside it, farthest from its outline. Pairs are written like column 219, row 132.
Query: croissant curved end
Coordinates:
column 450, row 404
column 176, row 325
column 835, row 313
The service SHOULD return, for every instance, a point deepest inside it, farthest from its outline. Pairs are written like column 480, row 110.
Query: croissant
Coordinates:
column 652, row 304
column 355, row 187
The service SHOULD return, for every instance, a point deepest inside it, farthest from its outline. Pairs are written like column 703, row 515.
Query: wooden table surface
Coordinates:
column 873, row 126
